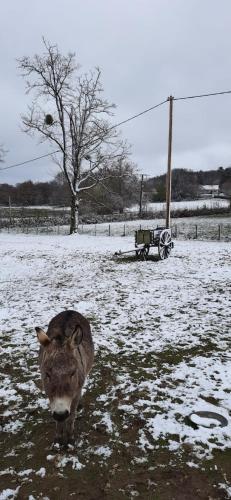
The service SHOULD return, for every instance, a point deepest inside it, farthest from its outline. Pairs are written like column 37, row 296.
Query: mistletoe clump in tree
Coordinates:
column 69, row 111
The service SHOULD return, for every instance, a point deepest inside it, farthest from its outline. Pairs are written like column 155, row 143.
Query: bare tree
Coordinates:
column 71, row 113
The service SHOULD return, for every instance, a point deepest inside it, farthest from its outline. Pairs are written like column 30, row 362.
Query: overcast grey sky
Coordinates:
column 147, row 50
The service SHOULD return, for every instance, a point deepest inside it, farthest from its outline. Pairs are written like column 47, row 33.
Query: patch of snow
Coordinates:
column 104, row 451
column 140, row 460
column 4, row 313
column 7, row 413
column 173, row 445
column 102, row 397
column 193, row 465
column 28, row 387
column 13, row 427
column 9, row 494
column 76, row 464
column 41, row 472
column 210, row 187
column 107, row 421
column 8, row 394
column 28, row 444
column 43, row 403
column 7, row 471
column 226, row 487
column 127, row 408
column 25, row 472
column 144, row 442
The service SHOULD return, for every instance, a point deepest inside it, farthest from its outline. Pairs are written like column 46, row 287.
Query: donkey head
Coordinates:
column 59, row 369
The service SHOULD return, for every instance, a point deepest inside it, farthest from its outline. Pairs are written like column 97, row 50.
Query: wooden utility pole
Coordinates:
column 169, row 171
column 141, row 193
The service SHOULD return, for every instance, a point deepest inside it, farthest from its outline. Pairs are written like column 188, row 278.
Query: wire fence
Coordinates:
column 185, row 231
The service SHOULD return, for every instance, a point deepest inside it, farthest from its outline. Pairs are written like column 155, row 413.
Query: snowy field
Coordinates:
column 37, row 207
column 152, row 207
column 203, row 228
column 185, row 204
column 162, row 337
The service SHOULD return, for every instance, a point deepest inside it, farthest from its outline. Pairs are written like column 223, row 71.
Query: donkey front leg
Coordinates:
column 70, row 422
column 59, row 435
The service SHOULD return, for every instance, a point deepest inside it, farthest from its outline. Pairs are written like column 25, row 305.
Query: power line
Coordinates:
column 29, row 161
column 125, row 121
column 111, row 128
column 201, row 95
column 139, row 114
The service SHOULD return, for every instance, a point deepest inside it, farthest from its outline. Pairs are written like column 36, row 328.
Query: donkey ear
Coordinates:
column 42, row 337
column 77, row 336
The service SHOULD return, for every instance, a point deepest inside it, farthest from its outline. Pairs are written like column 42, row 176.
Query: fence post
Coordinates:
column 95, row 229
column 219, row 232
column 196, row 232
column 124, row 230
column 109, row 230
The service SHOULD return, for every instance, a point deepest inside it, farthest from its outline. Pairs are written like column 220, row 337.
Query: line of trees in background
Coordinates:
column 120, row 190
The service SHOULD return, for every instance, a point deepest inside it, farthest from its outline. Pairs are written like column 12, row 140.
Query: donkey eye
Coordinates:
column 73, row 373
column 47, row 375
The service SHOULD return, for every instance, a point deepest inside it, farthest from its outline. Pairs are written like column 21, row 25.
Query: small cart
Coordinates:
column 146, row 238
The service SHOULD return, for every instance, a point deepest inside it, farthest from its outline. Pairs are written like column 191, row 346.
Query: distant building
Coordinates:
column 209, row 191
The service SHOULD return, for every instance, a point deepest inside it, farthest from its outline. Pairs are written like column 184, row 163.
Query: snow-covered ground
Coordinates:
column 182, row 205
column 162, row 336
column 204, row 228
column 152, row 207
column 37, row 207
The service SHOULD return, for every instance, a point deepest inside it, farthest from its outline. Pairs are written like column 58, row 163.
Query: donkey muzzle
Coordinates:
column 60, row 408
column 60, row 416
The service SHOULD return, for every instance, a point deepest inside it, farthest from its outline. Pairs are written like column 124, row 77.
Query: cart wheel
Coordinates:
column 165, row 244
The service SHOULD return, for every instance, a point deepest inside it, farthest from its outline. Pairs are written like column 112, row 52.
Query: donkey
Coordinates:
column 66, row 357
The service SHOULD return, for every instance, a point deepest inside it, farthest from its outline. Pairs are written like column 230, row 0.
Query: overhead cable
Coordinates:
column 123, row 122
column 201, row 95
column 111, row 128
column 29, row 161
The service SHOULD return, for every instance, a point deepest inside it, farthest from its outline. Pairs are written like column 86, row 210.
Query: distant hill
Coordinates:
column 186, row 184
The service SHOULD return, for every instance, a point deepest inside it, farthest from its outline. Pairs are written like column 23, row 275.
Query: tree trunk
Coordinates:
column 74, row 214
